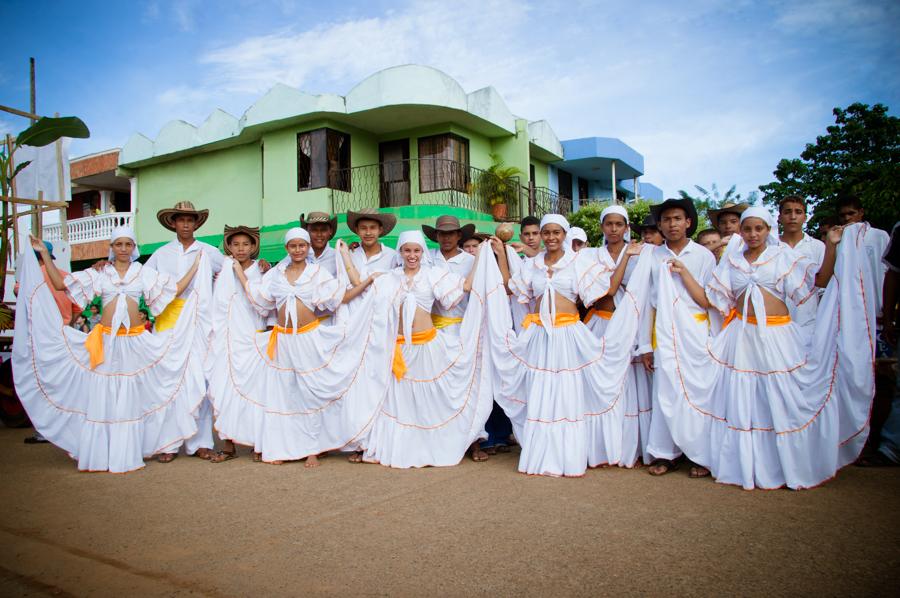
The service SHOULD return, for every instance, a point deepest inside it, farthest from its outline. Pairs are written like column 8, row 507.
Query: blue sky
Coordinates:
column 708, row 91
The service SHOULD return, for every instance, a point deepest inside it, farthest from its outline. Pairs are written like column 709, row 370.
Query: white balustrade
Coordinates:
column 92, row 228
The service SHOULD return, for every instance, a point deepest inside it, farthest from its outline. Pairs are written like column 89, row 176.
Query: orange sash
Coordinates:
column 398, row 366
column 273, row 337
column 600, row 313
column 94, row 341
column 770, row 320
column 560, row 321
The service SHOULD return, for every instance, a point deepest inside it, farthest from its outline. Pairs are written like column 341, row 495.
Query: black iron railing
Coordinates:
column 423, row 181
column 548, row 201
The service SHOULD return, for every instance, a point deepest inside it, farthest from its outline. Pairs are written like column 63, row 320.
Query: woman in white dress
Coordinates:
column 301, row 389
column 752, row 404
column 120, row 394
column 603, row 276
column 439, row 395
column 558, row 382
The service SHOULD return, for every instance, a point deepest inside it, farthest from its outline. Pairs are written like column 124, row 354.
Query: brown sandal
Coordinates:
column 668, row 464
column 166, row 457
column 222, row 456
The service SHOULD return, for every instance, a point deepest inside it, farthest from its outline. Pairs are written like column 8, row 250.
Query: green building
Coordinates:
column 407, row 139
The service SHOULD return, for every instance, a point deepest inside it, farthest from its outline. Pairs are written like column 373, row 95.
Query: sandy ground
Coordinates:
column 241, row 528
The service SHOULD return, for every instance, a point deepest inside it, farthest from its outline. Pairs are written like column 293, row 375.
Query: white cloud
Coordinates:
column 702, row 91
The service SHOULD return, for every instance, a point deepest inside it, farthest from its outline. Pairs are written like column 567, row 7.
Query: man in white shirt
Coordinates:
column 850, row 211
column 449, row 234
column 174, row 259
column 372, row 255
column 792, row 217
column 691, row 265
column 321, row 229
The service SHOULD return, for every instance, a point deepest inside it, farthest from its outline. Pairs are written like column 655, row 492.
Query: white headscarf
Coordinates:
column 555, row 219
column 296, row 233
column 124, row 232
column 576, row 233
column 615, row 209
column 767, row 217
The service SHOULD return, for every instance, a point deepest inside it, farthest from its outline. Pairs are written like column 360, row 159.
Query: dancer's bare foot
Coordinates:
column 662, row 467
column 166, row 457
column 311, row 461
column 257, row 457
column 355, row 457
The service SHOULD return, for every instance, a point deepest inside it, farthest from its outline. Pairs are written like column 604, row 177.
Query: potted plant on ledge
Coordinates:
column 499, row 185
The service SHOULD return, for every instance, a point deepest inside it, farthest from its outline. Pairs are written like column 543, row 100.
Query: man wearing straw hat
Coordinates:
column 372, row 255
column 448, row 233
column 174, row 259
column 321, row 228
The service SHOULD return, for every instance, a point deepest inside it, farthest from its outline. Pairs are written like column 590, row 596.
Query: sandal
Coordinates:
column 665, row 463
column 257, row 457
column 205, row 454
column 222, row 456
column 698, row 471
column 479, row 456
column 166, row 457
column 356, row 457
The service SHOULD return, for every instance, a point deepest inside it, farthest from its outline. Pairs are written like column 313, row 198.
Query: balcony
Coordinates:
column 426, row 181
column 88, row 230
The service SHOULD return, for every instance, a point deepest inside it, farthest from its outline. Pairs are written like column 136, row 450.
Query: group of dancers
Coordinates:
column 752, row 360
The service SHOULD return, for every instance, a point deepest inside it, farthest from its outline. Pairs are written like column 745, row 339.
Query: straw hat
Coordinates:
column 167, row 217
column 388, row 221
column 319, row 218
column 447, row 224
column 250, row 231
column 728, row 208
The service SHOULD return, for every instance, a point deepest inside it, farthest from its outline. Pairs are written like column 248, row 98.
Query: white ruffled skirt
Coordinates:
column 637, row 404
column 756, row 408
column 140, row 401
column 321, row 391
column 439, row 407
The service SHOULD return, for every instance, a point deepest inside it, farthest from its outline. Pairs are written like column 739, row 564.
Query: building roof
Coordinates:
column 395, row 98
column 592, row 157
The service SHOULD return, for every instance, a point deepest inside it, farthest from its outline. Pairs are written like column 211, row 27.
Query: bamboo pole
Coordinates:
column 34, row 202
column 12, row 189
column 33, row 101
column 61, row 186
column 27, row 115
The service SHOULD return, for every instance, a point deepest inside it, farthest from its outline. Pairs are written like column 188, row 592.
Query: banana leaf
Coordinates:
column 49, row 129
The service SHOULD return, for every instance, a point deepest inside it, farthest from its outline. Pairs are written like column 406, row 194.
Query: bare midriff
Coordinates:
column 110, row 308
column 774, row 306
column 421, row 321
column 563, row 305
column 304, row 315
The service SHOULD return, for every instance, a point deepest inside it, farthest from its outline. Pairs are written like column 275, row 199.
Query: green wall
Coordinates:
column 541, row 173
column 227, row 182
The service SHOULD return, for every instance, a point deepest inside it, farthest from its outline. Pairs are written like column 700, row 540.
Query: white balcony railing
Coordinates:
column 92, row 228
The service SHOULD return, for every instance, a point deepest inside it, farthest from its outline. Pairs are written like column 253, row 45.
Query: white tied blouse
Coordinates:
column 157, row 289
column 315, row 288
column 536, row 279
column 594, row 268
column 780, row 271
column 429, row 285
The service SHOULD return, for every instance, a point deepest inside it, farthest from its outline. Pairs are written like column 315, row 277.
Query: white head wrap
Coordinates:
column 767, row 217
column 576, row 233
column 124, row 232
column 616, row 209
column 296, row 233
column 555, row 219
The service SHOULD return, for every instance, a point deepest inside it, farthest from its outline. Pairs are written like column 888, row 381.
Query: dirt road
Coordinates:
column 240, row 528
